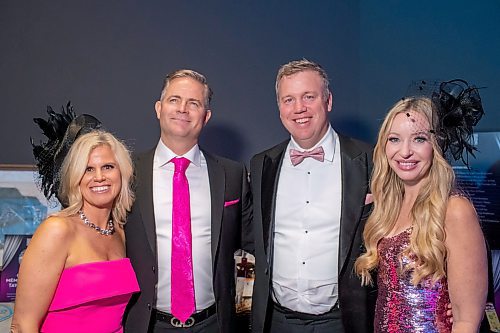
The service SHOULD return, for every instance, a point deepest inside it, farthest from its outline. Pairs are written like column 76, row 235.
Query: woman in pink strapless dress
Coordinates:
column 74, row 277
column 91, row 298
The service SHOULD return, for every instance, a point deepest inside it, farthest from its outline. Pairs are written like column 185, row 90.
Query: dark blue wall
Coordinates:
column 402, row 41
column 110, row 57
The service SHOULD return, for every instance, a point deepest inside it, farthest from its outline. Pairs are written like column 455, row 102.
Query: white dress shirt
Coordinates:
column 307, row 229
column 199, row 191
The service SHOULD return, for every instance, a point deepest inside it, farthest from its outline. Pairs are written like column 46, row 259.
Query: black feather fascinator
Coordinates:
column 61, row 130
column 459, row 108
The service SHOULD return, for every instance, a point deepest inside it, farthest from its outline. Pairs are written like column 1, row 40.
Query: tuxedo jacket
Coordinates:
column 230, row 214
column 357, row 303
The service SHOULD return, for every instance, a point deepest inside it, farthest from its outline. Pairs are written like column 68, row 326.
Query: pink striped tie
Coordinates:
column 182, row 292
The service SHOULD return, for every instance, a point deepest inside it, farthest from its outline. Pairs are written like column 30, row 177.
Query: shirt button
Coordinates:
column 303, row 263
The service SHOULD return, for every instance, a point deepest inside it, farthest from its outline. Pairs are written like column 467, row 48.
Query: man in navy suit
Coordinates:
column 311, row 199
column 220, row 204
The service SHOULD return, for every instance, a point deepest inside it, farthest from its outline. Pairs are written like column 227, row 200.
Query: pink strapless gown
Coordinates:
column 91, row 298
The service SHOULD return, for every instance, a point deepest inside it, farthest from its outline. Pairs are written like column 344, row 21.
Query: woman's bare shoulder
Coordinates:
column 55, row 228
column 460, row 208
column 462, row 222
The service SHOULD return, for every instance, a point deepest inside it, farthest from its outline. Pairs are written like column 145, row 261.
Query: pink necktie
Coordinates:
column 182, row 292
column 298, row 156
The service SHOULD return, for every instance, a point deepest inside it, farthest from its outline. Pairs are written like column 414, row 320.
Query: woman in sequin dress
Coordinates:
column 423, row 239
column 74, row 276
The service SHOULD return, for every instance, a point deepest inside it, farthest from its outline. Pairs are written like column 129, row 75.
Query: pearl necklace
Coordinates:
column 105, row 232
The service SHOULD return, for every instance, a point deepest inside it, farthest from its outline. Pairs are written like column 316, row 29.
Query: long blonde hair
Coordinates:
column 74, row 166
column 428, row 212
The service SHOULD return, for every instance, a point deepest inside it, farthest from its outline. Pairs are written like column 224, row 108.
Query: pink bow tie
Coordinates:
column 298, row 156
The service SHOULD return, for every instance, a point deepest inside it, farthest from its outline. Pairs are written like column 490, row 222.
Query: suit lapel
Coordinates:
column 217, row 182
column 354, row 189
column 144, row 190
column 269, row 186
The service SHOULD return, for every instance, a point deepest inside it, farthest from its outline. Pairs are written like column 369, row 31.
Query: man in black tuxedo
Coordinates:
column 220, row 205
column 311, row 200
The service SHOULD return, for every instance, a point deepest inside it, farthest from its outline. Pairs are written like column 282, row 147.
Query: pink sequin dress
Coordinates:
column 91, row 298
column 401, row 306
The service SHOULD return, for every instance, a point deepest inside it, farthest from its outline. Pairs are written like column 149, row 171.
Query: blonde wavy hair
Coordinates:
column 427, row 242
column 74, row 166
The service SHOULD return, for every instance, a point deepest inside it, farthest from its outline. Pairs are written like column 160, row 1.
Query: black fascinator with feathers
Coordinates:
column 459, row 108
column 61, row 130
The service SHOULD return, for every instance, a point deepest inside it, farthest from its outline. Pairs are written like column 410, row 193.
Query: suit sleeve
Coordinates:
column 247, row 241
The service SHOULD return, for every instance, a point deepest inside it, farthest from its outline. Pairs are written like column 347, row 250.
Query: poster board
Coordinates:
column 22, row 208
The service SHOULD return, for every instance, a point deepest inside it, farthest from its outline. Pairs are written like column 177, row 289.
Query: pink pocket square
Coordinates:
column 369, row 199
column 230, row 203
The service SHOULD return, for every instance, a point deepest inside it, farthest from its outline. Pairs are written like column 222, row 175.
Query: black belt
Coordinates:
column 193, row 319
column 332, row 314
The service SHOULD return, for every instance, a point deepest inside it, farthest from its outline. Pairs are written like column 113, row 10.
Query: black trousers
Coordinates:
column 286, row 320
column 208, row 325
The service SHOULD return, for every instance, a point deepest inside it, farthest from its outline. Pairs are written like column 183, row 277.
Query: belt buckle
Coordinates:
column 175, row 322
